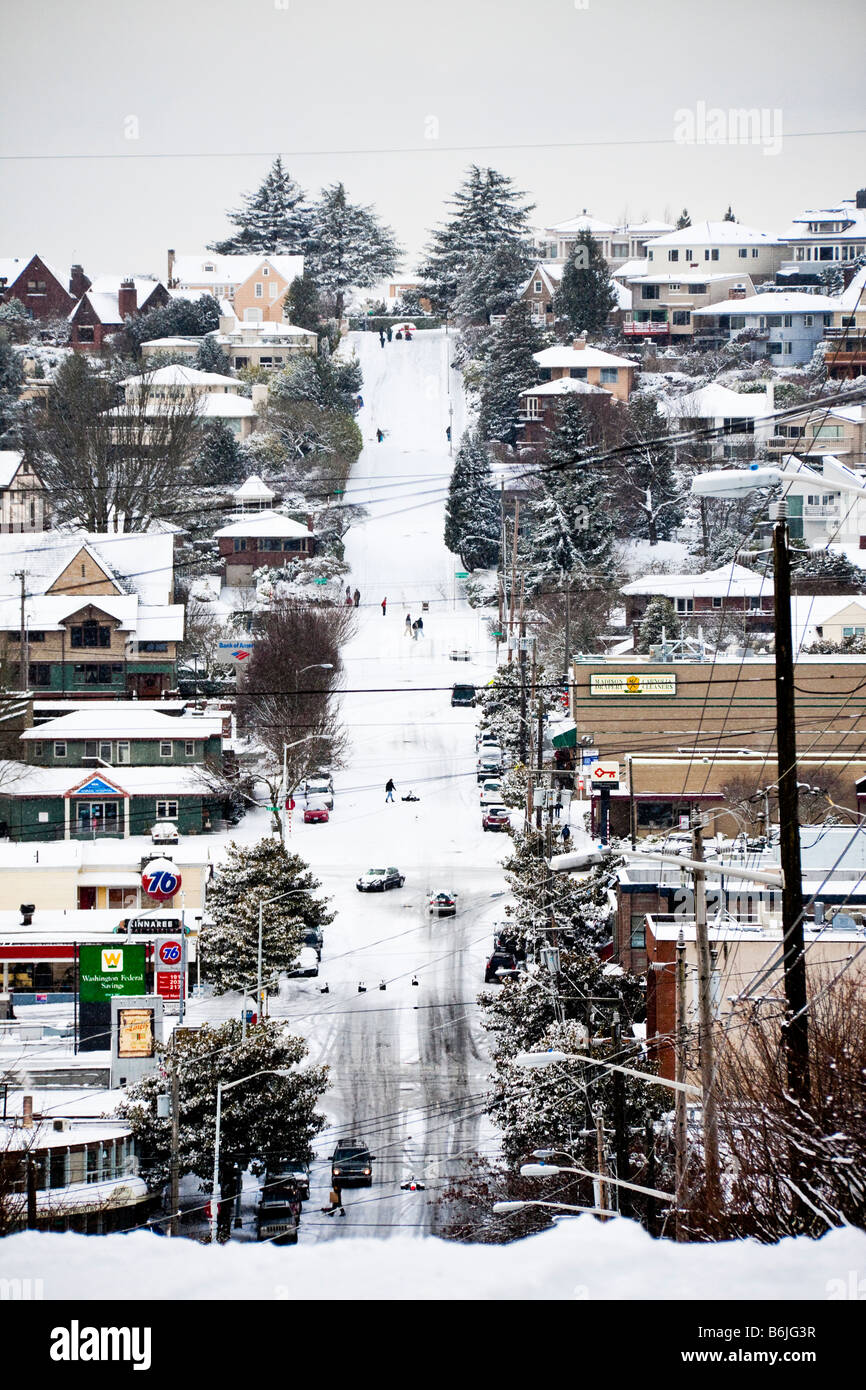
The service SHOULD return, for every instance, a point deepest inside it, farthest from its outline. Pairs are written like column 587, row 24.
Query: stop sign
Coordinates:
column 160, row 879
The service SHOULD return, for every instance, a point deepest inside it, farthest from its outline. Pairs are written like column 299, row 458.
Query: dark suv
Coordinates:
column 463, row 695
column 351, row 1163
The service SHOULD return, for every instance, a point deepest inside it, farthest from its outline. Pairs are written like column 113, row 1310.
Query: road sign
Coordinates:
column 461, row 574
column 234, row 653
column 320, row 580
column 160, row 879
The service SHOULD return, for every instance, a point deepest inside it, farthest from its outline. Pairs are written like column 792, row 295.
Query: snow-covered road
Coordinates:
column 408, row 1063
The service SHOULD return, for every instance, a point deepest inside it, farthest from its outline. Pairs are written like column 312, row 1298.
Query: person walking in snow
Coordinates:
column 349, row 592
column 415, row 631
column 448, row 433
column 348, row 599
column 384, row 606
column 389, row 789
column 380, row 435
column 565, row 832
column 356, row 597
column 420, row 626
column 389, row 335
column 335, row 1197
column 407, row 628
column 382, row 337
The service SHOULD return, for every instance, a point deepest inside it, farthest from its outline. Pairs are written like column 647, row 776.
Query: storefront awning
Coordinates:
column 566, row 738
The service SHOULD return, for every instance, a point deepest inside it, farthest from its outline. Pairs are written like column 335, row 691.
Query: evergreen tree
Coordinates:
column 585, row 297
column 729, row 215
column 571, row 536
column 649, row 492
column 486, row 241
column 348, row 245
column 211, row 358
column 269, row 1117
column 273, row 219
column 219, row 459
column 684, row 220
column 828, row 565
column 509, row 368
column 11, row 379
column 184, row 318
column 472, row 520
column 250, row 875
column 301, row 305
column 659, row 617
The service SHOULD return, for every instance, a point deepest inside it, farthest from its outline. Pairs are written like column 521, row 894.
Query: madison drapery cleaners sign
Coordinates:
column 633, row 684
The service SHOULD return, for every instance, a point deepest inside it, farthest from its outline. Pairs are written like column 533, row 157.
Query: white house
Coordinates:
column 819, row 511
column 822, row 237
column 717, row 247
column 739, row 420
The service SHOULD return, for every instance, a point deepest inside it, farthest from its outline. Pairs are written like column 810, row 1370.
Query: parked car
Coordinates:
column 377, row 880
column 307, row 963
column 314, row 814
column 463, row 695
column 489, row 765
column 278, row 1213
column 495, row 818
column 164, row 832
column 460, row 654
column 323, row 775
column 314, row 938
column 351, row 1163
column 320, row 788
column 500, row 965
column 442, row 904
column 487, row 741
column 491, row 792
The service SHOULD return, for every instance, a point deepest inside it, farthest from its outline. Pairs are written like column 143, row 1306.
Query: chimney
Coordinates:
column 170, row 281
column 770, row 388
column 861, row 197
column 309, row 522
column 737, row 292
column 27, row 1112
column 579, row 343
column 127, row 299
column 79, row 283
column 260, row 395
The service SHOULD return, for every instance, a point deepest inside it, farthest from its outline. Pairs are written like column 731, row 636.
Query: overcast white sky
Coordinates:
column 338, row 86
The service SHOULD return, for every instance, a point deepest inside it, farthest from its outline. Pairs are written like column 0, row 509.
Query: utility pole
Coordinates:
column 620, row 1131
column 795, row 1028
column 24, row 673
column 567, row 630
column 513, row 576
column 522, row 660
column 602, row 1167
column 706, row 1023
column 539, row 815
column 680, row 1112
column 175, row 1138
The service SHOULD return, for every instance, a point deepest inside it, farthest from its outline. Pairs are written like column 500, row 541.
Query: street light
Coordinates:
column 577, row 860
column 535, row 1060
column 552, row 1170
column 504, row 1208
column 229, row 1085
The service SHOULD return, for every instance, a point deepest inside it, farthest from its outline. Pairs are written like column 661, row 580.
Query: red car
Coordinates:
column 495, row 818
column 315, row 813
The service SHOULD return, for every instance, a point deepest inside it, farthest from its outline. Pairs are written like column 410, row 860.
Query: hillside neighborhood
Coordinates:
column 432, row 771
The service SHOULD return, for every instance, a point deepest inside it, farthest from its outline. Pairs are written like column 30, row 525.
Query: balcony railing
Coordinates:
column 644, row 330
column 815, row 511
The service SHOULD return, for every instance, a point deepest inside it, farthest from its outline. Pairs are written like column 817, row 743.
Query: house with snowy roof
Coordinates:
column 786, row 325
column 541, row 405
column 46, row 292
column 845, row 355
column 721, row 423
column 816, row 431
column 581, row 362
column 262, row 538
column 22, row 495
column 270, row 344
column 98, row 613
column 718, row 248
column 253, row 495
column 664, row 302
column 820, row 511
column 102, row 309
column 538, row 291
column 216, row 396
column 743, row 595
column 824, row 237
column 254, row 285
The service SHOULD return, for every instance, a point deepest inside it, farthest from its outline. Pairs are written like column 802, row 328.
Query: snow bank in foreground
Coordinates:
column 577, row 1259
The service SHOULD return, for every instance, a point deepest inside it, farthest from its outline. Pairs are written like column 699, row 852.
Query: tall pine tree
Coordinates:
column 274, row 219
column 684, row 220
column 570, row 539
column 650, row 493
column 472, row 520
column 585, row 297
column 349, row 246
column 509, row 368
column 483, row 252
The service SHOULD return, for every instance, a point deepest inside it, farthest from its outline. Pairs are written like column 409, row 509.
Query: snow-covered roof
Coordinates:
column 783, row 302
column 628, row 269
column 717, row 402
column 854, row 296
column 264, row 524
column 583, row 223
column 715, row 234
column 203, row 269
column 732, row 580
column 267, row 330
column 172, row 344
column 224, row 406
column 47, row 613
column 253, row 490
column 140, row 560
column 811, row 611
column 563, row 356
column 22, row 780
column 565, row 386
column 11, row 267
column 43, row 1135
column 691, row 277
column 124, row 719
column 549, row 272
column 103, row 296
column 10, row 462
column 623, row 295
column 845, row 211
column 638, row 228
column 179, row 374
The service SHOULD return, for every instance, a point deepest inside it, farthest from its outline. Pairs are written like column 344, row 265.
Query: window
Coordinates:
column 712, row 254
column 755, row 252
column 90, row 748
column 685, row 605
column 674, row 285
column 266, row 270
column 260, row 290
column 681, row 317
column 637, row 935
column 166, row 810
column 787, row 321
column 755, row 601
column 38, row 749
column 537, row 287
column 649, row 291
column 85, row 333
column 787, row 349
column 673, row 255
column 90, row 634
column 40, row 673
column 577, row 373
column 717, row 600
column 165, row 746
column 153, row 646
column 854, row 632
column 294, row 545
column 123, row 750
column 273, row 289
column 609, row 376
column 59, row 749
column 737, row 321
column 699, row 289
column 94, row 673
column 240, row 543
column 688, row 255
column 742, row 253
column 189, row 748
